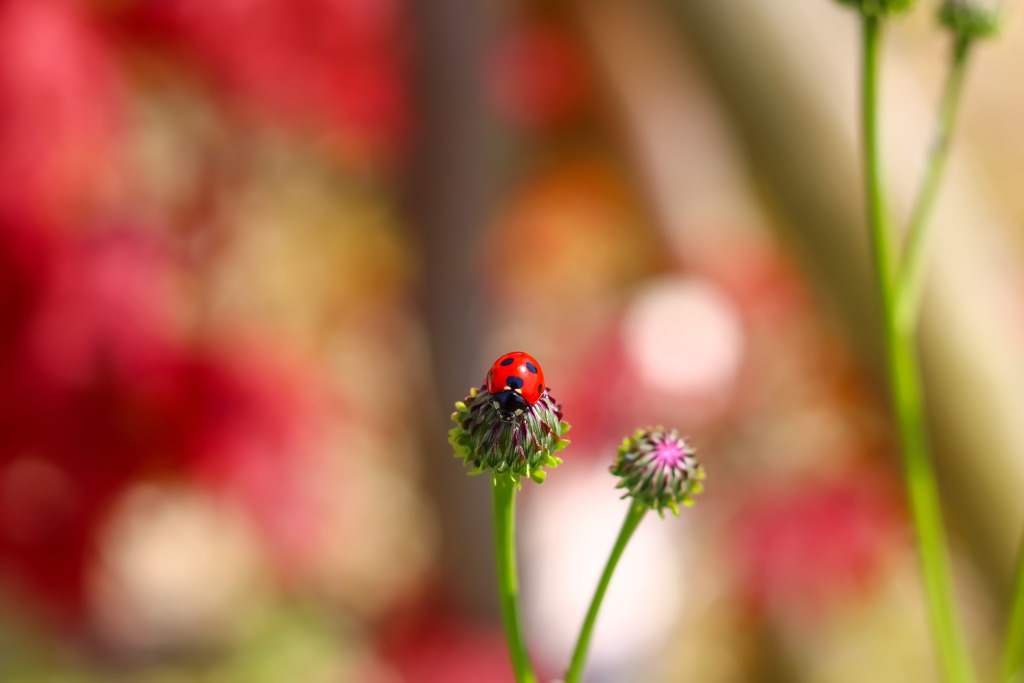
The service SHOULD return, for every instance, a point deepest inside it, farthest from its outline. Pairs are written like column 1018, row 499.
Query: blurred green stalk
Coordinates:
column 579, row 655
column 911, row 275
column 508, row 583
column 905, row 387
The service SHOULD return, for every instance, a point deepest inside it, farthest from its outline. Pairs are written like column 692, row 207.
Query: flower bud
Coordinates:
column 971, row 19
column 523, row 446
column 879, row 8
column 658, row 468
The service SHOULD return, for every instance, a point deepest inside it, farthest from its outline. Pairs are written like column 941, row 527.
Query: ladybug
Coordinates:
column 515, row 382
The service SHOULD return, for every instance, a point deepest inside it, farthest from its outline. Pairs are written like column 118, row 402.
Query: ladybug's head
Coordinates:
column 509, row 405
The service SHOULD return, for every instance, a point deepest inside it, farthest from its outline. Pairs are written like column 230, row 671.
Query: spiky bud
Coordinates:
column 879, row 8
column 658, row 468
column 521, row 447
column 971, row 19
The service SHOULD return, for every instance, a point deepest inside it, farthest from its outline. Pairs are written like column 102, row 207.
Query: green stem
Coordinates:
column 579, row 655
column 911, row 275
column 881, row 241
column 1013, row 649
column 905, row 385
column 508, row 583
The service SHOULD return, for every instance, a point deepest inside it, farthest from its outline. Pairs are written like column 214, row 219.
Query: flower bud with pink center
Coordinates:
column 658, row 468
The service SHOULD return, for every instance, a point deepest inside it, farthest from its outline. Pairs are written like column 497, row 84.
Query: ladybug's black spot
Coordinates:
column 540, row 388
column 507, row 361
column 530, row 366
column 514, row 382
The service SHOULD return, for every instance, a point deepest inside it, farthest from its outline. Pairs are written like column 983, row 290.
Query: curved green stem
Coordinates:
column 911, row 274
column 1013, row 649
column 579, row 655
column 905, row 386
column 508, row 582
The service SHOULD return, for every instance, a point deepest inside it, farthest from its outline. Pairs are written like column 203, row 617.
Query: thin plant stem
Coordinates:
column 1013, row 649
column 881, row 241
column 579, row 655
column 905, row 387
column 508, row 583
column 911, row 273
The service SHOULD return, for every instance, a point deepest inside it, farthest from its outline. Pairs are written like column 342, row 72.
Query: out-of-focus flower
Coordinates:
column 587, row 234
column 658, row 469
column 972, row 18
column 27, row 255
column 103, row 390
column 815, row 542
column 143, row 597
column 26, row 258
column 539, row 77
column 685, row 339
column 60, row 109
column 522, row 447
column 262, row 425
column 334, row 63
column 435, row 647
column 112, row 301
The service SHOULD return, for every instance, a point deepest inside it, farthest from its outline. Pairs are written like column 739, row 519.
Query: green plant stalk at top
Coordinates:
column 504, row 489
column 905, row 387
column 637, row 509
column 912, row 266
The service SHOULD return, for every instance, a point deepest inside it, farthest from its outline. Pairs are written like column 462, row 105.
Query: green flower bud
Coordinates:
column 658, row 469
column 879, row 8
column 971, row 19
column 521, row 447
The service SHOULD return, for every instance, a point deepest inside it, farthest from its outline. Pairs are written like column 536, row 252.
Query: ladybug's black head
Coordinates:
column 509, row 405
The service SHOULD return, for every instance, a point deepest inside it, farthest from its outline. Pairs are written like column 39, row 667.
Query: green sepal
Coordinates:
column 970, row 19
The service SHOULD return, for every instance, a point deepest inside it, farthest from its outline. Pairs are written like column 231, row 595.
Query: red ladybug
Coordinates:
column 515, row 382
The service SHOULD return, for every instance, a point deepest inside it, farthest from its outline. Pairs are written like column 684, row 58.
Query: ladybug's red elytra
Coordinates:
column 515, row 382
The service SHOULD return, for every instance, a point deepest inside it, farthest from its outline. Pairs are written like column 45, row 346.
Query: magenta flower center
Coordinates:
column 669, row 454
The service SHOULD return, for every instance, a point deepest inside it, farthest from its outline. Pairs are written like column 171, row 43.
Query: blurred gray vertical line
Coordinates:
column 448, row 187
column 787, row 121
